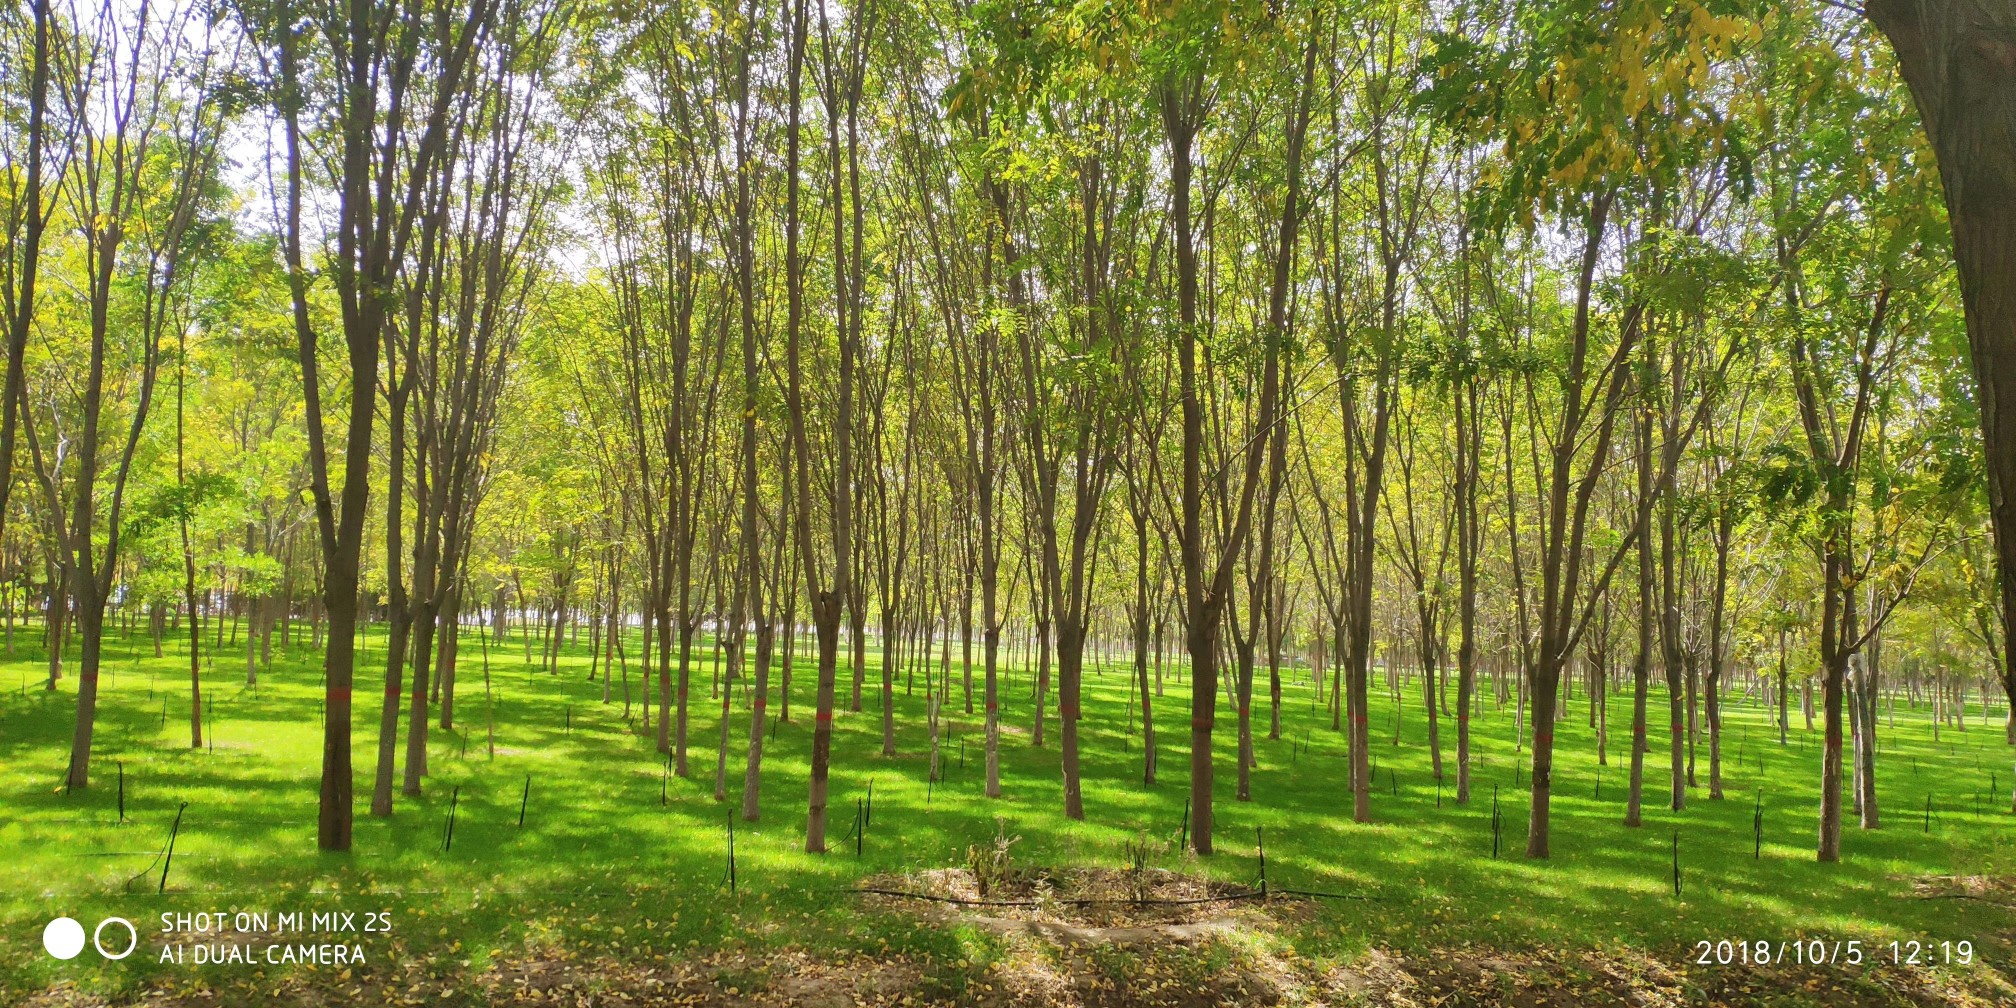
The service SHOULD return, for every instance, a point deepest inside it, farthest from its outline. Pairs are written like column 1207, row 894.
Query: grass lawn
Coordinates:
column 603, row 870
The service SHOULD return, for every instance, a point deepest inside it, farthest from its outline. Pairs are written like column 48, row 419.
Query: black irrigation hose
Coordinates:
column 1249, row 894
column 1322, row 895
column 144, row 872
column 868, row 890
column 127, row 886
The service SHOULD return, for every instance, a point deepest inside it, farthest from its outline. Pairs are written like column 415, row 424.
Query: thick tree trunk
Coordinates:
column 91, row 620
column 1546, row 696
column 1832, row 692
column 1070, row 670
column 1959, row 59
column 1178, row 103
column 1569, row 494
column 826, row 618
column 339, row 604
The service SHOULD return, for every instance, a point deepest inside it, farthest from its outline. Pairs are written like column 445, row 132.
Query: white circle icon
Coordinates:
column 64, row 938
column 132, row 937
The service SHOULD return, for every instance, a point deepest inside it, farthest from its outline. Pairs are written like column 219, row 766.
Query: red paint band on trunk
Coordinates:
column 1069, row 712
column 391, row 688
column 992, row 706
column 1543, row 738
column 339, row 694
column 1358, row 718
column 1205, row 723
column 824, row 717
column 761, row 703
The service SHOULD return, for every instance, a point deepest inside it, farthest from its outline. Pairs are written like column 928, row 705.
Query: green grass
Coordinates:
column 601, row 865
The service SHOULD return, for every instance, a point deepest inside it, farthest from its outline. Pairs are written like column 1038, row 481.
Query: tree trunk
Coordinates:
column 91, row 616
column 1959, row 59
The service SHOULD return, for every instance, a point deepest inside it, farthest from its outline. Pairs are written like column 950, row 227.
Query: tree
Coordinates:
column 28, row 211
column 1578, row 147
column 1958, row 59
column 378, row 86
column 1186, row 83
column 119, row 90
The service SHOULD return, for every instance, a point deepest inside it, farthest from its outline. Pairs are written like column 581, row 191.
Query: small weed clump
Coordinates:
column 992, row 863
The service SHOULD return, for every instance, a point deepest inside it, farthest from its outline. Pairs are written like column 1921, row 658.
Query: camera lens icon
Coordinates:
column 63, row 938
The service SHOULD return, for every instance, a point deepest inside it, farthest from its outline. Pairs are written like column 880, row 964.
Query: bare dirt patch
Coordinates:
column 1075, row 900
column 1107, row 938
column 1997, row 889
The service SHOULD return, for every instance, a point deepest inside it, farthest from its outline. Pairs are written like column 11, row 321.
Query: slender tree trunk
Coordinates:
column 891, row 651
column 448, row 643
column 1141, row 643
column 1468, row 443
